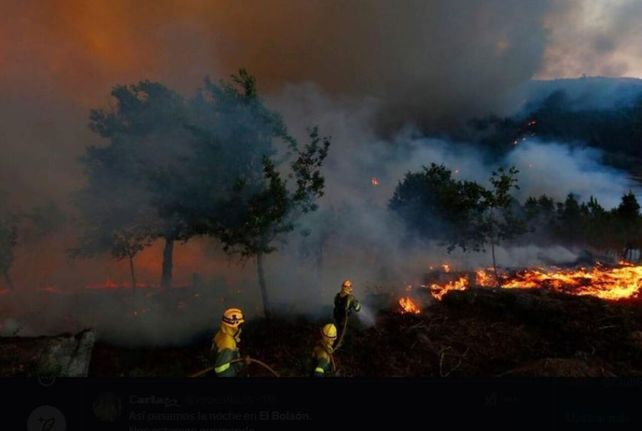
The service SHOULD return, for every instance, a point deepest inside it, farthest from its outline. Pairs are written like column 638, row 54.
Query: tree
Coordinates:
column 121, row 243
column 433, row 205
column 462, row 214
column 137, row 177
column 627, row 217
column 597, row 226
column 261, row 210
column 176, row 168
column 569, row 215
column 496, row 221
column 8, row 241
column 539, row 215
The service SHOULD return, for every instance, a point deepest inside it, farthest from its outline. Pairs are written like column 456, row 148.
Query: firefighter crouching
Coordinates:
column 323, row 362
column 344, row 304
column 225, row 344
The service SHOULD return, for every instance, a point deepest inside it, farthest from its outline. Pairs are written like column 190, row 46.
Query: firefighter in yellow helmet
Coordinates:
column 323, row 362
column 225, row 344
column 344, row 304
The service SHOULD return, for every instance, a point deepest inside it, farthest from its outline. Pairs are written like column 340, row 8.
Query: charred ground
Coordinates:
column 477, row 332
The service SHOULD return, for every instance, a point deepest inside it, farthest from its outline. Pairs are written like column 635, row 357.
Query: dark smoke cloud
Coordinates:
column 430, row 62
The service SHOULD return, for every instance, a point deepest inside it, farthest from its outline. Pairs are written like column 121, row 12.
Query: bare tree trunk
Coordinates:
column 262, row 284
column 168, row 255
column 7, row 279
column 132, row 272
column 492, row 250
column 626, row 256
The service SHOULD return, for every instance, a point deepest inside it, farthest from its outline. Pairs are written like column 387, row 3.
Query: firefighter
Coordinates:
column 344, row 304
column 323, row 362
column 225, row 344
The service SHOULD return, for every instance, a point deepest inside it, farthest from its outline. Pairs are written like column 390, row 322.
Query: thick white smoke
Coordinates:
column 353, row 235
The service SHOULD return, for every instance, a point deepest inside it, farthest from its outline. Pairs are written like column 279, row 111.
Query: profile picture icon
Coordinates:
column 46, row 418
column 107, row 407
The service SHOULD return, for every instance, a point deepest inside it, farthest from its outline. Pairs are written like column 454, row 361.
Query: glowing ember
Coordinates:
column 408, row 306
column 111, row 284
column 445, row 267
column 140, row 312
column 49, row 289
column 374, row 181
column 607, row 283
column 108, row 284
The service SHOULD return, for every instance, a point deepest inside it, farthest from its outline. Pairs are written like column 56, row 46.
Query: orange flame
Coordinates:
column 408, row 306
column 438, row 291
column 622, row 282
column 374, row 181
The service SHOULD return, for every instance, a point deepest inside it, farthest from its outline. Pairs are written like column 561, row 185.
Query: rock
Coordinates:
column 80, row 360
column 56, row 356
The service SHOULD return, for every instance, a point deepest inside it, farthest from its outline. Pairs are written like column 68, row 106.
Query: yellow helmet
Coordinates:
column 329, row 331
column 232, row 317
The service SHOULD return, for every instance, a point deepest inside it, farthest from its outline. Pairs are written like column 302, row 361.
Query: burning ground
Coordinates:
column 473, row 332
column 576, row 322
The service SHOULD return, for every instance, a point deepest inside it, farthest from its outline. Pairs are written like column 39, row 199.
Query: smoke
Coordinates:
column 353, row 235
column 353, row 68
column 557, row 169
column 421, row 59
column 593, row 37
column 358, row 155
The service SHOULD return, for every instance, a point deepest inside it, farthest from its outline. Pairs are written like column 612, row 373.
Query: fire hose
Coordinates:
column 246, row 360
column 343, row 332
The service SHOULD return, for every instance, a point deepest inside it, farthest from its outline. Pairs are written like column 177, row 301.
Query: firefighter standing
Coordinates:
column 225, row 344
column 344, row 304
column 323, row 362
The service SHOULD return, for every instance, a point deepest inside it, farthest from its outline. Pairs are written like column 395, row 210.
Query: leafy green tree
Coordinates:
column 209, row 165
column 434, row 205
column 135, row 179
column 261, row 210
column 497, row 221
